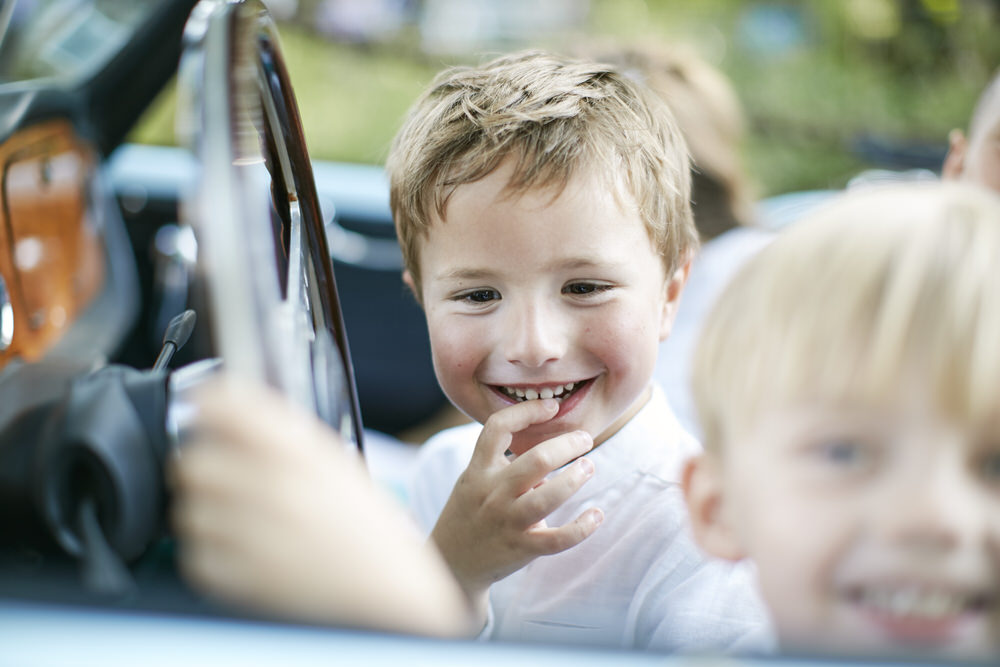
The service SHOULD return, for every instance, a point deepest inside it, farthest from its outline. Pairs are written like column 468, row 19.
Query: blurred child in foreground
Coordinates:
column 275, row 516
column 848, row 384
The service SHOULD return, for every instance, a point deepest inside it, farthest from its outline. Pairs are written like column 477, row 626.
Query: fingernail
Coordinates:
column 586, row 467
column 597, row 516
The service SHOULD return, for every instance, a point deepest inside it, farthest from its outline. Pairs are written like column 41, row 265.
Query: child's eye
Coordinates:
column 844, row 453
column 479, row 296
column 583, row 289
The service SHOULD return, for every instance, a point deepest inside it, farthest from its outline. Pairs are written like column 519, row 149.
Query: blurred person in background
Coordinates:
column 976, row 158
column 708, row 111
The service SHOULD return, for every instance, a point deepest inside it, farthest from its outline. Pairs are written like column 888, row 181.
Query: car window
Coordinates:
column 65, row 39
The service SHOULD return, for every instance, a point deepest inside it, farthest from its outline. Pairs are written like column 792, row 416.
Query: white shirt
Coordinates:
column 639, row 581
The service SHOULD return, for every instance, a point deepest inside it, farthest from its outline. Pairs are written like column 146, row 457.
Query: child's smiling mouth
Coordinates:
column 920, row 613
column 560, row 392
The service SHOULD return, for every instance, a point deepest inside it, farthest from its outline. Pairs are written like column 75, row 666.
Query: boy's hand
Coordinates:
column 494, row 522
column 274, row 514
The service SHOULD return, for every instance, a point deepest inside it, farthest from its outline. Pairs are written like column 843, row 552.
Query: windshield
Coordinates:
column 65, row 39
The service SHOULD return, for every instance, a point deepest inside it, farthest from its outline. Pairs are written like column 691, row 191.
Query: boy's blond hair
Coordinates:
column 885, row 291
column 556, row 117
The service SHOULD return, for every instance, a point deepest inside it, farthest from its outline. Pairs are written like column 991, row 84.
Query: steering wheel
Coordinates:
column 263, row 257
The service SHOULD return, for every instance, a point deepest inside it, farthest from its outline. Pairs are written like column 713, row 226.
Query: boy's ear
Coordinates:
column 954, row 161
column 408, row 280
column 704, row 493
column 674, row 288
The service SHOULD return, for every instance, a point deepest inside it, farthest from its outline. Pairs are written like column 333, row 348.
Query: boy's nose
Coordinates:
column 938, row 511
column 534, row 335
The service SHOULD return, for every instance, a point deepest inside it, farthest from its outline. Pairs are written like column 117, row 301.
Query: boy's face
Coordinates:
column 873, row 531
column 526, row 295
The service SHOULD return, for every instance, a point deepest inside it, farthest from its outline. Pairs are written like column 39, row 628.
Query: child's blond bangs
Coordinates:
column 881, row 294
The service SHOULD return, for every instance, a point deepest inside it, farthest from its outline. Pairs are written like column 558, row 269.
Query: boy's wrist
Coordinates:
column 476, row 591
column 479, row 604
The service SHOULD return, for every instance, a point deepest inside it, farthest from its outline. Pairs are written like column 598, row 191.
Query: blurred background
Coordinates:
column 829, row 87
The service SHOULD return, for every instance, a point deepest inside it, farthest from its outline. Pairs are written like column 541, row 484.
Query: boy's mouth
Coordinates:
column 919, row 614
column 919, row 602
column 560, row 392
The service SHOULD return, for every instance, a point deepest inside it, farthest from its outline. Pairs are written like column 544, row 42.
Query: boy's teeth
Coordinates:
column 915, row 602
column 545, row 392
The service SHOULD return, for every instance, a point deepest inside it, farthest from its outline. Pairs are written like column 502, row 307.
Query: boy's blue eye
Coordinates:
column 844, row 453
column 582, row 289
column 480, row 296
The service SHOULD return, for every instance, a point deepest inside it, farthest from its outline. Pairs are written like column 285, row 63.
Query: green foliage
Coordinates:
column 906, row 71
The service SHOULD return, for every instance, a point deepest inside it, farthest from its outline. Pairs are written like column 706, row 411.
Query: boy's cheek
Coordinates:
column 456, row 360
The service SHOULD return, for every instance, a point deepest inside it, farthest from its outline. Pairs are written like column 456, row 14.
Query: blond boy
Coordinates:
column 542, row 205
column 848, row 384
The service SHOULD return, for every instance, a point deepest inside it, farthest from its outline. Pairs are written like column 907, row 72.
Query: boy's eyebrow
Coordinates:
column 465, row 274
column 582, row 263
column 565, row 264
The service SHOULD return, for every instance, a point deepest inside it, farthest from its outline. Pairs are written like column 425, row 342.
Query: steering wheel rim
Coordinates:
column 262, row 251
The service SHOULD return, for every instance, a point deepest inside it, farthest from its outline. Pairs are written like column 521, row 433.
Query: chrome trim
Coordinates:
column 181, row 408
column 6, row 317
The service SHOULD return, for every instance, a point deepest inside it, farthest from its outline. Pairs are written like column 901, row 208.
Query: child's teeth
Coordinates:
column 559, row 391
column 902, row 602
column 912, row 602
column 940, row 604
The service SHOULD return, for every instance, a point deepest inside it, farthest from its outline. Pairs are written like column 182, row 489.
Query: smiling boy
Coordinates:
column 542, row 208
column 854, row 456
